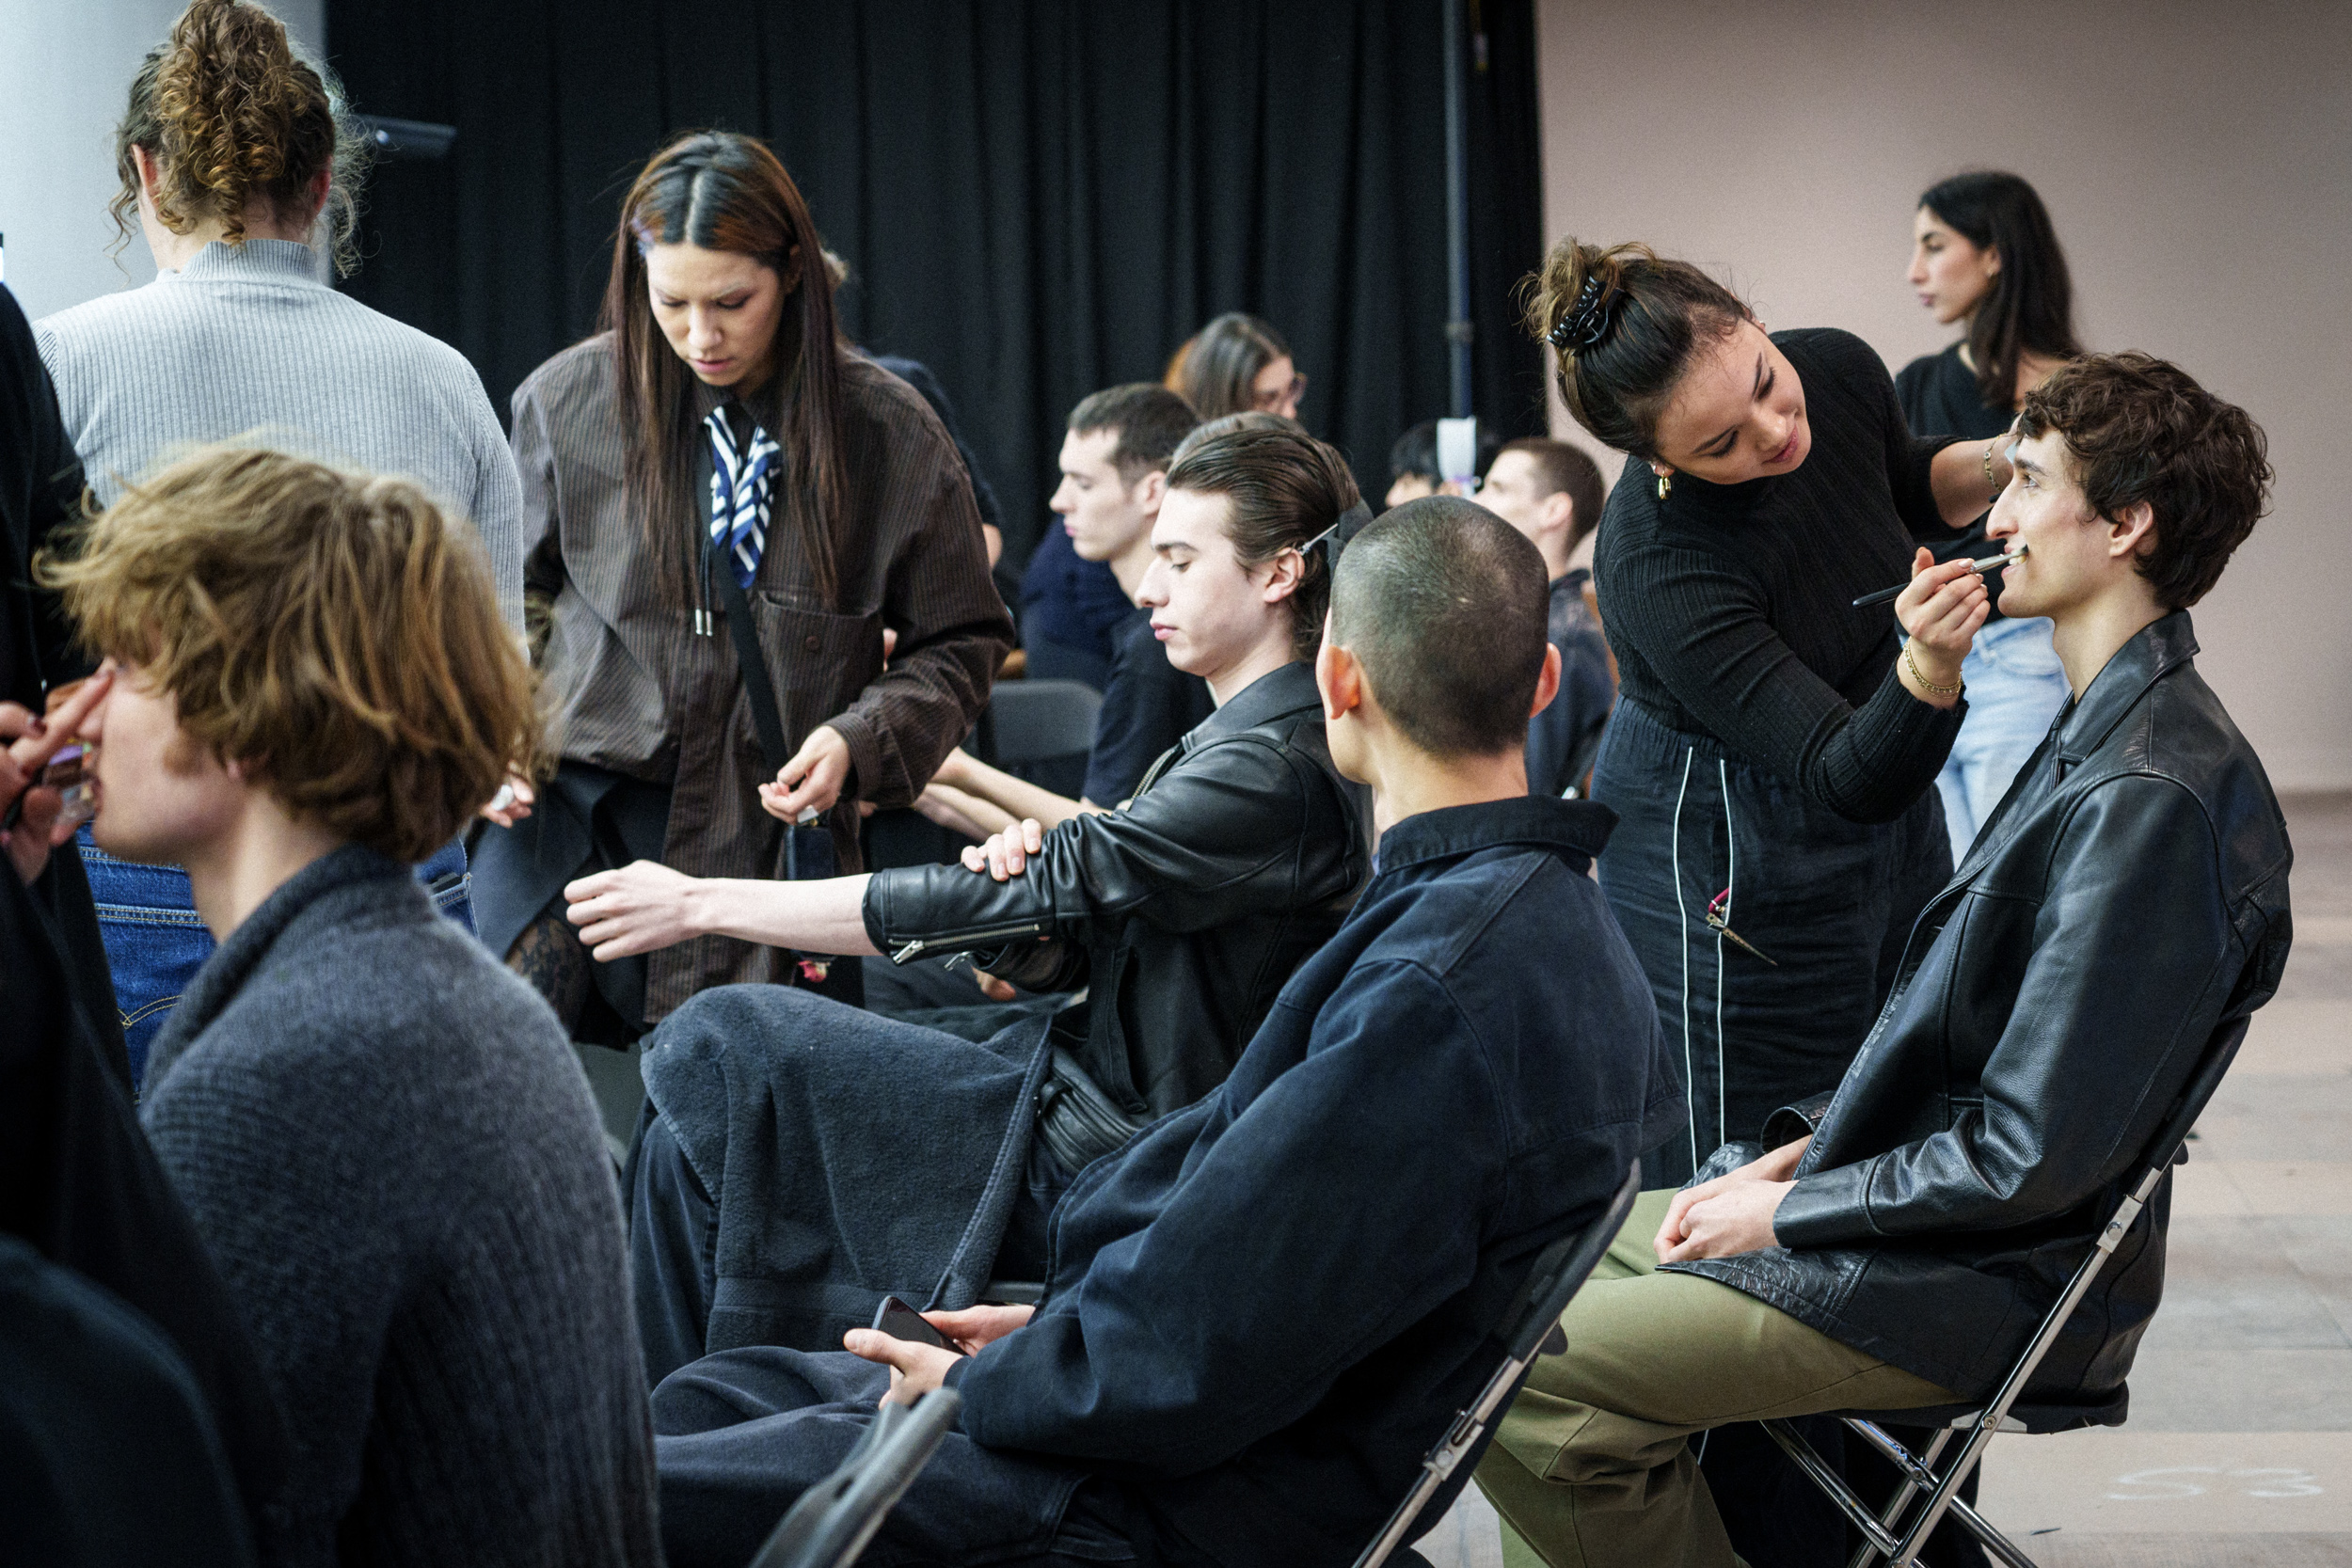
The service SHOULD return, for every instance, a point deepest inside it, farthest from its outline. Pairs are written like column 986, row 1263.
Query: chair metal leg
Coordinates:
column 1919, row 1472
column 1879, row 1537
column 1866, row 1554
column 1833, row 1487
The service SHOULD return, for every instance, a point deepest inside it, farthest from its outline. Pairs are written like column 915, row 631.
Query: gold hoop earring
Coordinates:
column 1665, row 486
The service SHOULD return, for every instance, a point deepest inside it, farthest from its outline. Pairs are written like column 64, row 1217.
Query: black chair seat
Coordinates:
column 2037, row 1416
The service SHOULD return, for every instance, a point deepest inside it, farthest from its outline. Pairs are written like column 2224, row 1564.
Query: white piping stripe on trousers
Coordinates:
column 1689, row 1098
column 1731, row 850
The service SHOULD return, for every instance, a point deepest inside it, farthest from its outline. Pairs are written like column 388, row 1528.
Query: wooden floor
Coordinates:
column 2239, row 1450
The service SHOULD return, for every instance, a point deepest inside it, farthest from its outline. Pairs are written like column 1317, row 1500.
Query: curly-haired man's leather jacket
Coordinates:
column 2126, row 902
column 1182, row 913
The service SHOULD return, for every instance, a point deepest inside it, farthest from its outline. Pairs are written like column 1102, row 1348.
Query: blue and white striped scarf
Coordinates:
column 740, row 494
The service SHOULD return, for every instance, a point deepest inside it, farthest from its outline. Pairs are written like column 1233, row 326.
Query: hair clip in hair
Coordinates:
column 1588, row 320
column 1343, row 527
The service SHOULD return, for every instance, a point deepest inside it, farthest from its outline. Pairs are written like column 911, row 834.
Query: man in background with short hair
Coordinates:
column 1114, row 470
column 1552, row 493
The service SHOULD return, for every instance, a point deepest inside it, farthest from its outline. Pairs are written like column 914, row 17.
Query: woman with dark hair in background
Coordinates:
column 1772, row 748
column 235, row 155
column 1235, row 365
column 714, row 470
column 1984, row 254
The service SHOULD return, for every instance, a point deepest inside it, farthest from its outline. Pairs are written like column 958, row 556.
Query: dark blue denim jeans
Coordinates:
column 156, row 942
column 1826, row 902
column 740, row 1436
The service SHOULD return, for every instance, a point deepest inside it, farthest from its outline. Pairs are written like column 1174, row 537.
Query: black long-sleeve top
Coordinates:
column 1730, row 607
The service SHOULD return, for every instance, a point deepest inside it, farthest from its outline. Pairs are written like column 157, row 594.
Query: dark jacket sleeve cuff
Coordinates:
column 1828, row 1208
column 1791, row 1122
column 869, row 776
column 875, row 908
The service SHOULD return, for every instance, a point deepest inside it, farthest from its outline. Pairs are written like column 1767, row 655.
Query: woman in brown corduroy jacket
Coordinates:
column 717, row 429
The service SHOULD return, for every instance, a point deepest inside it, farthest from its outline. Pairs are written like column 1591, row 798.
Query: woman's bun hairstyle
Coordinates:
column 230, row 114
column 1622, row 325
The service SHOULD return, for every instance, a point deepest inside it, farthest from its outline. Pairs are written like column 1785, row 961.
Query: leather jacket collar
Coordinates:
column 1276, row 694
column 2153, row 651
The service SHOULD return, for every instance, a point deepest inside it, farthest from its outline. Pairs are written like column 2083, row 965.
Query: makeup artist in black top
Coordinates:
column 1772, row 748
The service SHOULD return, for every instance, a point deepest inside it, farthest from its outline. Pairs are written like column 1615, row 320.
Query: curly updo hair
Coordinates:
column 2140, row 429
column 231, row 114
column 1622, row 324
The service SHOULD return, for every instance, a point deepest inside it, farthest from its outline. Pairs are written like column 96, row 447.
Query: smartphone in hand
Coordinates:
column 900, row 1321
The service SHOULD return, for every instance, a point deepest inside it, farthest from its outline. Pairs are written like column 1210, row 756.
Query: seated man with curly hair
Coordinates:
column 1901, row 1240
column 381, row 1135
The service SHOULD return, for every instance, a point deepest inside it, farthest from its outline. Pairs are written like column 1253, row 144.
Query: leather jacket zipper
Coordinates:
column 960, row 939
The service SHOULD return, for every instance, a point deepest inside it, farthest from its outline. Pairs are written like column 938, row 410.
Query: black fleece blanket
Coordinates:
column 886, row 1155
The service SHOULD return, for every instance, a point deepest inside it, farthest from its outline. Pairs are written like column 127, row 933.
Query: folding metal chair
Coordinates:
column 834, row 1519
column 1899, row 1531
column 1042, row 731
column 1559, row 1272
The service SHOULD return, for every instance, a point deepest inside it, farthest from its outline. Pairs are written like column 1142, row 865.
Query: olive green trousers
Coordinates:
column 1592, row 1463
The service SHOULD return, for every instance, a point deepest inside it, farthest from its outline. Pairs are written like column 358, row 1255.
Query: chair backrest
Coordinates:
column 834, row 1519
column 2220, row 1052
column 1039, row 721
column 1561, row 1270
column 1532, row 1325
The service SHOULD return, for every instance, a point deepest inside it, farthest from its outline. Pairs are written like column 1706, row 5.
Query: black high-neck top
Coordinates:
column 1730, row 607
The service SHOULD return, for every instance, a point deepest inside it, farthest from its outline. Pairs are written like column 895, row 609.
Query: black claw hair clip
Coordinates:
column 1588, row 320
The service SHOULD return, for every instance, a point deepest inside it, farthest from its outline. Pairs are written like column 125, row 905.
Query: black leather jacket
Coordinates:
column 1183, row 913
column 2126, row 901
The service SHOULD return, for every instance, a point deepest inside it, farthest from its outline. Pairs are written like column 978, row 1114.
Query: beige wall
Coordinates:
column 2197, row 160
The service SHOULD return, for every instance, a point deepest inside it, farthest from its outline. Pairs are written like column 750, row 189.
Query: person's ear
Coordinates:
column 1559, row 510
column 1285, row 574
column 2132, row 532
column 1149, row 491
column 1547, row 682
column 1993, row 260
column 789, row 278
column 1339, row 677
column 151, row 189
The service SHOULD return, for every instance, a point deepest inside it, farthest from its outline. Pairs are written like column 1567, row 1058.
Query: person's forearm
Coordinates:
column 1017, row 796
column 1963, row 491
column 823, row 916
column 963, row 812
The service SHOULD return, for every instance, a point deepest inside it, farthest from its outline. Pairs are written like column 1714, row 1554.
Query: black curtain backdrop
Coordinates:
column 1037, row 197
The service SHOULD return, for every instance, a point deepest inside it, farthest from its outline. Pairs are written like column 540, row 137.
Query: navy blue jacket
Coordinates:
column 1261, row 1314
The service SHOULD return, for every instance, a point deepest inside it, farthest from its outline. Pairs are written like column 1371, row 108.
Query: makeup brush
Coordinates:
column 1991, row 562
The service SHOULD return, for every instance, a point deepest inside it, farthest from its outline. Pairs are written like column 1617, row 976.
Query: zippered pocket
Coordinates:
column 980, row 936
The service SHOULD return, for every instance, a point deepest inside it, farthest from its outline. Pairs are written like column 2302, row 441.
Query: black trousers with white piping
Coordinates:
column 1769, row 1005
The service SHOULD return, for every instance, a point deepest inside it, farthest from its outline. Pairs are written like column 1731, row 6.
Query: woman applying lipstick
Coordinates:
column 715, row 446
column 1984, row 256
column 1771, row 754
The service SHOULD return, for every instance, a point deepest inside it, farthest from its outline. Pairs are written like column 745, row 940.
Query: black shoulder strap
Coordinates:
column 766, row 719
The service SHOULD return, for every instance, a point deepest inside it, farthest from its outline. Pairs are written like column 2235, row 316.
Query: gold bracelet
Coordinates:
column 1989, row 482
column 1912, row 665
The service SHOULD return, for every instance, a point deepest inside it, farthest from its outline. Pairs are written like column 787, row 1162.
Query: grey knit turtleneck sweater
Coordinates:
column 386, row 1143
